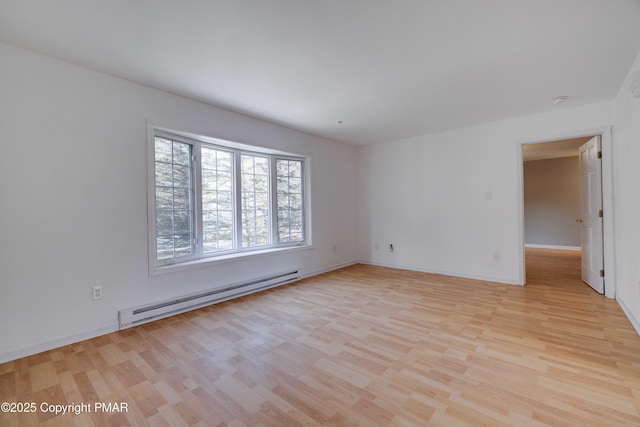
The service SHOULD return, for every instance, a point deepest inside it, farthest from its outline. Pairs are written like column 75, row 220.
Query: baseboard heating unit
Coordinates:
column 146, row 313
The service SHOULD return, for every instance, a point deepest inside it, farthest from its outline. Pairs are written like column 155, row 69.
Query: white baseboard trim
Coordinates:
column 496, row 279
column 563, row 248
column 107, row 329
column 56, row 343
column 328, row 269
column 627, row 311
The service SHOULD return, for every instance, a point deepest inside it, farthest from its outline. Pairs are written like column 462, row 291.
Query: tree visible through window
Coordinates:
column 255, row 201
column 217, row 200
column 290, row 201
column 173, row 197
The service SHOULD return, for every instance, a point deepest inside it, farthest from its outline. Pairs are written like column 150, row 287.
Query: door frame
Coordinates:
column 607, row 201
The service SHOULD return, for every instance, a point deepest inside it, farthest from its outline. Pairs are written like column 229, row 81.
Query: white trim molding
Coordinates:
column 57, row 343
column 562, row 248
column 627, row 311
column 463, row 275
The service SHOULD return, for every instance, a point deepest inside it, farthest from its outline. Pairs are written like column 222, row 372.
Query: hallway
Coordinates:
column 554, row 267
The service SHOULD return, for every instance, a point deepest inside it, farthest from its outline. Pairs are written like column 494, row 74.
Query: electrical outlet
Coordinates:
column 96, row 293
column 335, row 248
column 496, row 256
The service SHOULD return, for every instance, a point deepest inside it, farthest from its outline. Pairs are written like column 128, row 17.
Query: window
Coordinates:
column 217, row 200
column 255, row 200
column 174, row 199
column 289, row 193
column 212, row 199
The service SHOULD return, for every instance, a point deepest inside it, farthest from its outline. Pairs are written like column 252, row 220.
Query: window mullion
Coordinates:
column 237, row 197
column 274, row 203
column 303, row 195
column 197, row 172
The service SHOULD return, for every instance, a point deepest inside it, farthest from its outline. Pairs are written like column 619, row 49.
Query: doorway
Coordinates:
column 558, row 226
column 556, row 268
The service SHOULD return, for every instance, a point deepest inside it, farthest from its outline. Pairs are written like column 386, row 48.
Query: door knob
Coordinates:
column 579, row 220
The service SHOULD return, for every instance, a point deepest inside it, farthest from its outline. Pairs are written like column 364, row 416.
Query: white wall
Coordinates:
column 450, row 202
column 626, row 152
column 552, row 202
column 73, row 199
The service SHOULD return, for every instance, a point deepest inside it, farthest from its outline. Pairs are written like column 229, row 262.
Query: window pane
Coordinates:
column 225, row 225
column 174, row 200
column 164, row 247
column 163, row 174
column 209, row 181
column 224, row 163
column 261, row 166
column 181, row 154
column 183, row 245
column 181, row 176
column 209, row 200
column 181, row 198
column 225, row 200
column 182, row 222
column 164, row 149
column 224, row 181
column 295, row 185
column 289, row 200
column 255, row 201
column 217, row 200
column 282, row 168
column 164, row 198
column 296, row 217
column 164, row 222
column 295, row 169
column 295, row 201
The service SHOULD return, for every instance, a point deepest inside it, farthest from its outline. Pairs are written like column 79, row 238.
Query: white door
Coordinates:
column 591, row 211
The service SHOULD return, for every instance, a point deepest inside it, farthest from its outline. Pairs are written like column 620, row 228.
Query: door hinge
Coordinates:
column 601, row 273
column 600, row 213
column 599, row 154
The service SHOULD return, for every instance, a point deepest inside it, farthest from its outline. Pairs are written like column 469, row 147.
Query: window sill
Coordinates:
column 223, row 259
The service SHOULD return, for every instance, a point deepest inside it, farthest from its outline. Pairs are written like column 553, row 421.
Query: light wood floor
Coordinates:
column 362, row 346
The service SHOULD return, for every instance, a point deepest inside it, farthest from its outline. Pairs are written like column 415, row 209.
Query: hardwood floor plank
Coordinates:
column 361, row 346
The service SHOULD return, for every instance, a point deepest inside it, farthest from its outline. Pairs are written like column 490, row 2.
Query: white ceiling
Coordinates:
column 388, row 69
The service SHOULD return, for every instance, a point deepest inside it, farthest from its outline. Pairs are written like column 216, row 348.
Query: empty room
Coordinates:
column 319, row 213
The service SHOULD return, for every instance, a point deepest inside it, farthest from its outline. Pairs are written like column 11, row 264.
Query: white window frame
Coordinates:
column 274, row 191
column 238, row 199
column 199, row 258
